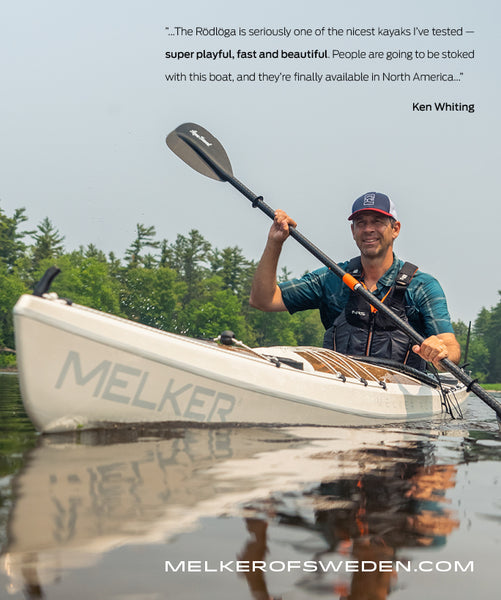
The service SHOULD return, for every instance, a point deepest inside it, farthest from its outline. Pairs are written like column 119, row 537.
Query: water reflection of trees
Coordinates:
column 394, row 501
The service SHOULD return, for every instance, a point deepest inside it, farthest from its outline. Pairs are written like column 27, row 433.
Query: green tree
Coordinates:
column 93, row 252
column 212, row 311
column 481, row 331
column 114, row 265
column 478, row 354
column 307, row 327
column 11, row 287
column 188, row 256
column 12, row 246
column 48, row 242
column 233, row 268
column 484, row 356
column 152, row 296
column 491, row 331
column 165, row 259
column 284, row 274
column 271, row 329
column 85, row 280
column 145, row 238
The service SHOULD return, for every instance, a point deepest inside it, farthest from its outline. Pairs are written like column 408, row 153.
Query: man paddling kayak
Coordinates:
column 352, row 326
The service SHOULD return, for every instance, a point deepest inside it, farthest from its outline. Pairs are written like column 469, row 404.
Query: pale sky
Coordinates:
column 86, row 107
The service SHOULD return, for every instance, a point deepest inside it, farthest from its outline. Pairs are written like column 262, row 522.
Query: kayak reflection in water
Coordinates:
column 368, row 518
column 359, row 494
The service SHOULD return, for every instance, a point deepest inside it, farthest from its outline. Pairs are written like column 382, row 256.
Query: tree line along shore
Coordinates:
column 187, row 286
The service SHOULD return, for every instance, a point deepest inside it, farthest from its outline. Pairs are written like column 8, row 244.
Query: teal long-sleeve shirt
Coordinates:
column 426, row 305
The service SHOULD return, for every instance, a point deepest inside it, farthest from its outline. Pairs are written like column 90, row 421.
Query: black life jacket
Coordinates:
column 361, row 330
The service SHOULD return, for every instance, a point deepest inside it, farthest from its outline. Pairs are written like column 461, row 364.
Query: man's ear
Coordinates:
column 396, row 229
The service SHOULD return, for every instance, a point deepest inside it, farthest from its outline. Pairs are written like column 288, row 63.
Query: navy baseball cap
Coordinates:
column 374, row 201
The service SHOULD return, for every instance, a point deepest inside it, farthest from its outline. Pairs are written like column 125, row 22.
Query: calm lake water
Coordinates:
column 405, row 512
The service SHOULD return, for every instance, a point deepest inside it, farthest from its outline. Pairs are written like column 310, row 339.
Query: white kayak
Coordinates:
column 81, row 368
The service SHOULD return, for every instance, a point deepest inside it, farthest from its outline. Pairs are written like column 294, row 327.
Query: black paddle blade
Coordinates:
column 200, row 150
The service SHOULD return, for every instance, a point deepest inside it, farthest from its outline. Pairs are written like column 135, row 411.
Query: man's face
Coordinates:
column 373, row 233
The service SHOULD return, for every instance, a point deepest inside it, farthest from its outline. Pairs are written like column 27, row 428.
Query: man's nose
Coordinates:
column 368, row 226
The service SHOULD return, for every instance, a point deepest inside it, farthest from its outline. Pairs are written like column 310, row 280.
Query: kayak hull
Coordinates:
column 81, row 368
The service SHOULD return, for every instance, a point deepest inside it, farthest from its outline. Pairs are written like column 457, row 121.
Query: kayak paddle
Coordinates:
column 203, row 152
